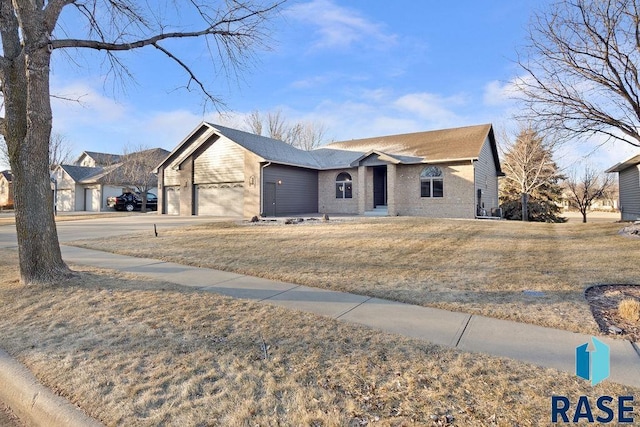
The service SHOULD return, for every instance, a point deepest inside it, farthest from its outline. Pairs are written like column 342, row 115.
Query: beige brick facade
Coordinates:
column 458, row 200
column 403, row 192
column 327, row 201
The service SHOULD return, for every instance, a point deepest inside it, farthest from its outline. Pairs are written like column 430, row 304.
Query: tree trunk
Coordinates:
column 525, row 206
column 584, row 216
column 143, row 200
column 29, row 131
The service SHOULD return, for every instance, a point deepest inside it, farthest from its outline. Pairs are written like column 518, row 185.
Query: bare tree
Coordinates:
column 135, row 169
column 530, row 171
column 584, row 188
column 254, row 122
column 60, row 150
column 31, row 32
column 305, row 135
column 278, row 127
column 581, row 66
column 309, row 135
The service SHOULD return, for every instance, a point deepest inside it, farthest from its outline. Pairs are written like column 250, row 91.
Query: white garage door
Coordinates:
column 91, row 200
column 65, row 201
column 220, row 199
column 172, row 200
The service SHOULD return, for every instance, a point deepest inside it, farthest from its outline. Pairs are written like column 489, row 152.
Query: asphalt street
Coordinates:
column 109, row 227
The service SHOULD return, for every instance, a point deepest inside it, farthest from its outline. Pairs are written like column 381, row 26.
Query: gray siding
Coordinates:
column 630, row 193
column 486, row 178
column 298, row 192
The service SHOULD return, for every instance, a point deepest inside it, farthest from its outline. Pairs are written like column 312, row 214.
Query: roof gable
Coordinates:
column 268, row 149
column 98, row 159
column 271, row 150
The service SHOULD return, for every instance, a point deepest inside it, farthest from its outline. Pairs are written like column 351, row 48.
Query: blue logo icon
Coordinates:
column 592, row 363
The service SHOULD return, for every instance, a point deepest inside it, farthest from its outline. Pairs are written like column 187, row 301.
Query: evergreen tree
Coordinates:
column 531, row 188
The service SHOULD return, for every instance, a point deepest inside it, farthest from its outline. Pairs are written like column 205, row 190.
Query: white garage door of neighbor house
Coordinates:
column 172, row 200
column 65, row 201
column 91, row 200
column 220, row 199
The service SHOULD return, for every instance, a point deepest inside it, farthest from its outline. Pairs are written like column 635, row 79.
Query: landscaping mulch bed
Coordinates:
column 604, row 301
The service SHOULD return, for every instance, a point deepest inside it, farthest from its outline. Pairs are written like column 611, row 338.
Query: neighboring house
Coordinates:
column 220, row 171
column 92, row 159
column 629, row 187
column 86, row 185
column 6, row 189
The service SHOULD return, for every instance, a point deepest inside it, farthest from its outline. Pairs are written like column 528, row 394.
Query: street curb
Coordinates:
column 33, row 403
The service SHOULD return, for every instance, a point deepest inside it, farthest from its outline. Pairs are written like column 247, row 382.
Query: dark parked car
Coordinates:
column 132, row 201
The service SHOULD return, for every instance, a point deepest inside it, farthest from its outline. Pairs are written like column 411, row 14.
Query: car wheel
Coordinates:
column 129, row 207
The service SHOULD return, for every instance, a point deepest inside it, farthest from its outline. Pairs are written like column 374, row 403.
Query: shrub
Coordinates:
column 629, row 309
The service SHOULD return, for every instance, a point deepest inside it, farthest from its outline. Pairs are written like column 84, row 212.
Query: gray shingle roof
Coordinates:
column 7, row 175
column 102, row 158
column 442, row 145
column 78, row 173
column 272, row 150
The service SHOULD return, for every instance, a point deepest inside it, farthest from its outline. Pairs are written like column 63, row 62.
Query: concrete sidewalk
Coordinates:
column 534, row 344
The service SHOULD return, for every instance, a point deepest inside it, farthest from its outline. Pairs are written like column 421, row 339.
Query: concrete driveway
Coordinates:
column 111, row 227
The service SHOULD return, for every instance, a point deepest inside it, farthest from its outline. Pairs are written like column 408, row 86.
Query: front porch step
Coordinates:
column 378, row 211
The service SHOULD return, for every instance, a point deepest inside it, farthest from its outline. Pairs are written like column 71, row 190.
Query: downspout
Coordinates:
column 475, row 190
column 262, row 186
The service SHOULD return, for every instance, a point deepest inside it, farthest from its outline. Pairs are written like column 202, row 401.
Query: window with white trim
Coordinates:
column 431, row 182
column 344, row 186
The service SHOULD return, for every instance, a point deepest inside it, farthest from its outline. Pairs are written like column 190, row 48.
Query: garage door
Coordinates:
column 91, row 200
column 220, row 199
column 172, row 200
column 65, row 201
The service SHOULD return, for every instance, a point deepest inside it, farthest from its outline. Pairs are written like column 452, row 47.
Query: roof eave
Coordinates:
column 630, row 162
column 185, row 141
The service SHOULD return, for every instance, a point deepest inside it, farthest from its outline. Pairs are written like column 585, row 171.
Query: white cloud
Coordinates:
column 434, row 108
column 99, row 123
column 598, row 151
column 79, row 103
column 498, row 94
column 339, row 27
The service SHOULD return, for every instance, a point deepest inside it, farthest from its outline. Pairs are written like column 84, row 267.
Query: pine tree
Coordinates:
column 531, row 188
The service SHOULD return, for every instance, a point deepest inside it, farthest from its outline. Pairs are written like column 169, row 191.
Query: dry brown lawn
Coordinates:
column 133, row 352
column 480, row 267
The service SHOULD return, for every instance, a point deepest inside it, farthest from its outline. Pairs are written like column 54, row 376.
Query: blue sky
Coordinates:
column 360, row 67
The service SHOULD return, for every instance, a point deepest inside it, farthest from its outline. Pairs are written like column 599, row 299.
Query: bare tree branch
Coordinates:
column 30, row 31
column 581, row 69
column 305, row 135
column 192, row 77
column 584, row 189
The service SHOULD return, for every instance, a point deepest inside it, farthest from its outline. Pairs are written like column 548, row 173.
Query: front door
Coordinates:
column 379, row 186
column 269, row 199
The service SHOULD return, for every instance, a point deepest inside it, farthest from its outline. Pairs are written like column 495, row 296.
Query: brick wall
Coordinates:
column 458, row 200
column 327, row 202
